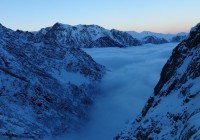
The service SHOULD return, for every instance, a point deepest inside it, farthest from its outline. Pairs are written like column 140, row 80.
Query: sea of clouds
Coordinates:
column 132, row 74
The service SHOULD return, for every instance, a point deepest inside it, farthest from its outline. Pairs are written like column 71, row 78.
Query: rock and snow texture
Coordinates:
column 91, row 36
column 45, row 88
column 86, row 36
column 173, row 112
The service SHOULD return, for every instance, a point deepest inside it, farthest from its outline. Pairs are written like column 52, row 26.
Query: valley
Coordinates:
column 131, row 76
column 100, row 91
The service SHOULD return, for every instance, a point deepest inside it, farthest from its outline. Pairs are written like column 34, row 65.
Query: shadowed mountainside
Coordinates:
column 45, row 88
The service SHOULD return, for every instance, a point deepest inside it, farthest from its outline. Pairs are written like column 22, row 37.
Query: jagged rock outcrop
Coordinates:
column 173, row 112
column 45, row 88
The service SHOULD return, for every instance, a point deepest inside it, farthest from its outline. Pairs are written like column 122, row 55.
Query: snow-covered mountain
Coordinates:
column 45, row 88
column 85, row 36
column 90, row 36
column 173, row 111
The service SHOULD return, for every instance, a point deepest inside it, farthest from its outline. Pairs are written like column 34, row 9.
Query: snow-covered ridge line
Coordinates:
column 173, row 111
column 90, row 36
column 94, row 33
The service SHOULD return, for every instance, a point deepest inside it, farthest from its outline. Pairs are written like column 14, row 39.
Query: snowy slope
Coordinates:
column 45, row 88
column 173, row 111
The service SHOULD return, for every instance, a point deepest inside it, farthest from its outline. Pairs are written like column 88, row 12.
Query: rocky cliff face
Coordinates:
column 45, row 88
column 173, row 111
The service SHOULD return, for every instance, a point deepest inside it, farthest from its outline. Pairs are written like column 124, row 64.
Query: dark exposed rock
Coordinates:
column 154, row 40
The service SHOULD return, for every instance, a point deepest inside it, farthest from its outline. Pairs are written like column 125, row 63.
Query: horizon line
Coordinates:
column 125, row 30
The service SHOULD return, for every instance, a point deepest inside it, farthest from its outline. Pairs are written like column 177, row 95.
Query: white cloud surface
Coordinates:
column 133, row 73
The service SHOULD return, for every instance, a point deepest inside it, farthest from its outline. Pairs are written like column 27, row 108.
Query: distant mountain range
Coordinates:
column 173, row 111
column 90, row 36
column 167, row 37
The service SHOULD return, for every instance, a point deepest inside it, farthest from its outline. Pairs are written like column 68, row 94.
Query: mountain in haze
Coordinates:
column 179, row 37
column 45, row 88
column 173, row 112
column 160, row 37
column 154, row 40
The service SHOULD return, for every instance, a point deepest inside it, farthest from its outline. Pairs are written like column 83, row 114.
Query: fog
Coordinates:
column 131, row 76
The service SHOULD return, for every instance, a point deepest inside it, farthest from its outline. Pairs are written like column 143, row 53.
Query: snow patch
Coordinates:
column 74, row 78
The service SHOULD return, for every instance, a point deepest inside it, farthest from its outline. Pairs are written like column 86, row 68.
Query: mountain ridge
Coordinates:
column 89, row 36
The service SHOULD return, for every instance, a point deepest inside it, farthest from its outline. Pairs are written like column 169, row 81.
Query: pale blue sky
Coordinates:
column 167, row 16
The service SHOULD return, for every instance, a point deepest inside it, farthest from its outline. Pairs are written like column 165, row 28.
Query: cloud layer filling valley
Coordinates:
column 131, row 77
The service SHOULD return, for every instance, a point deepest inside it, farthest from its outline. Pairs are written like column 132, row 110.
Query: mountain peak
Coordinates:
column 1, row 26
column 60, row 25
column 194, row 37
column 195, row 28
